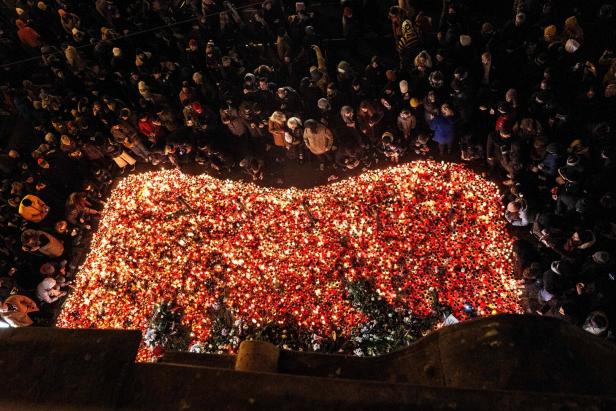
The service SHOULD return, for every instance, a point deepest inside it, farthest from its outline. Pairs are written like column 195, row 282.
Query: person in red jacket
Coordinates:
column 150, row 128
column 27, row 35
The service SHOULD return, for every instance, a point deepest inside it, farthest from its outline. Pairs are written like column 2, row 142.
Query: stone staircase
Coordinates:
column 497, row 363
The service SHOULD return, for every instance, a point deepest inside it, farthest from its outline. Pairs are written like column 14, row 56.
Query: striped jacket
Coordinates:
column 408, row 37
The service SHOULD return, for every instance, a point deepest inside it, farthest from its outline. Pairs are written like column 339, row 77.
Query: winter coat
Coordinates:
column 320, row 142
column 149, row 129
column 233, row 121
column 277, row 131
column 45, row 291
column 27, row 35
column 406, row 125
column 444, row 129
column 36, row 212
column 551, row 163
column 124, row 135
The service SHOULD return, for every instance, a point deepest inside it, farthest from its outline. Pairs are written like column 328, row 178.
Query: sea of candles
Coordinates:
column 273, row 254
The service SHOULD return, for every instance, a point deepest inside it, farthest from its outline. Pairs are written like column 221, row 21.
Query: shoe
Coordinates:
column 333, row 177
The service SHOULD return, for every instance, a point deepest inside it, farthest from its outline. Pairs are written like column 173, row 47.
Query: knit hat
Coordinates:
column 487, row 27
column 343, row 67
column 404, row 86
column 549, row 31
column 323, row 104
column 465, row 40
column 571, row 46
column 294, row 120
column 196, row 107
column 47, row 269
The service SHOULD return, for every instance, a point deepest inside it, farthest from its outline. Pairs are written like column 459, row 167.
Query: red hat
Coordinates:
column 197, row 107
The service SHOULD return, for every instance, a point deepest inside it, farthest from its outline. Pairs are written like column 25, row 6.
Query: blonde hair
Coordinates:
column 278, row 117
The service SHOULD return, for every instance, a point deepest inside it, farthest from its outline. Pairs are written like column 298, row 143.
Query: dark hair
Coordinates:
column 311, row 125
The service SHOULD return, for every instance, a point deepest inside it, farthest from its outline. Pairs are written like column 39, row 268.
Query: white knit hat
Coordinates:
column 572, row 45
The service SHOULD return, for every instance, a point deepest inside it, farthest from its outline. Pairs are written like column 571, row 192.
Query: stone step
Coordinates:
column 42, row 365
column 503, row 352
column 164, row 386
column 200, row 360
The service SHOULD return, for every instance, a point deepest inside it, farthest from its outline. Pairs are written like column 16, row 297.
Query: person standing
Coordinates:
column 443, row 125
column 319, row 139
column 407, row 36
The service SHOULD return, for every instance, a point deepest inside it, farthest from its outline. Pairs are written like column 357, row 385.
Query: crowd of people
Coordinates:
column 92, row 90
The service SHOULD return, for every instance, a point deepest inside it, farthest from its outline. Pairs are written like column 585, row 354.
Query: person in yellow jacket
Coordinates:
column 33, row 209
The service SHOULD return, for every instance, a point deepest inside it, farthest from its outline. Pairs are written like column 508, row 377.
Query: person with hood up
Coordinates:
column 33, row 209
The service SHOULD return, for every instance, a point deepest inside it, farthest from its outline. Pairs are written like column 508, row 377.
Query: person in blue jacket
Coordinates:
column 443, row 125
